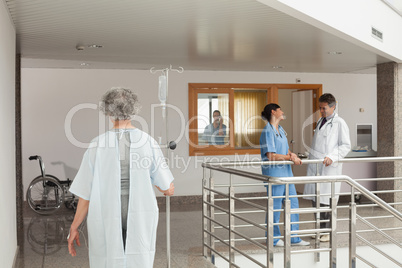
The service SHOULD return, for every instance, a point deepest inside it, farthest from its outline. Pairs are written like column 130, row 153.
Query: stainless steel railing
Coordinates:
column 218, row 233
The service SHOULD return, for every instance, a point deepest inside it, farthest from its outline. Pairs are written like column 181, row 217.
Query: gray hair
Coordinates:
column 120, row 103
column 328, row 98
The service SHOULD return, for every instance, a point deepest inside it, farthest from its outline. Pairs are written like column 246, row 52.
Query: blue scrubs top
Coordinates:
column 273, row 142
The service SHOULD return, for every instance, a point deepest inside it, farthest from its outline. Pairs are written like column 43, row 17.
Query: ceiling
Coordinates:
column 227, row 35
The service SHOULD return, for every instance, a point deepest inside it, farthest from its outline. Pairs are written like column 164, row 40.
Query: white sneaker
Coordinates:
column 280, row 243
column 301, row 243
column 324, row 238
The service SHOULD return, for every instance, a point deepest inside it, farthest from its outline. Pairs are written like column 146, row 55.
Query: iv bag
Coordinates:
column 162, row 89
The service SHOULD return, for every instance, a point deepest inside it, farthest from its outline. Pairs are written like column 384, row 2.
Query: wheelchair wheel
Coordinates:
column 45, row 195
column 46, row 234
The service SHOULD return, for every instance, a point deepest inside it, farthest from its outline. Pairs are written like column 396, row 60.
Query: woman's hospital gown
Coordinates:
column 99, row 181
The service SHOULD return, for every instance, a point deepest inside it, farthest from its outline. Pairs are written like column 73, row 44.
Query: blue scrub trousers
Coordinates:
column 280, row 190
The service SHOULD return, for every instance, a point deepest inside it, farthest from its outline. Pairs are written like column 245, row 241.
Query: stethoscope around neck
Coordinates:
column 326, row 125
column 279, row 132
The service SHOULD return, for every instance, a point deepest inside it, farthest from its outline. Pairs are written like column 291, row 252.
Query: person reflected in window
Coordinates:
column 215, row 132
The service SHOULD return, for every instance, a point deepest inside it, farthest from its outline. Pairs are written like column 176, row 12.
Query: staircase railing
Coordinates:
column 229, row 224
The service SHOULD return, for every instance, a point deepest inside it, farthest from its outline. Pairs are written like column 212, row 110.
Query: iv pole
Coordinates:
column 163, row 94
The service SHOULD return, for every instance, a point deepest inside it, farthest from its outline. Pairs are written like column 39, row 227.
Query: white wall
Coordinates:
column 49, row 94
column 7, row 140
column 354, row 25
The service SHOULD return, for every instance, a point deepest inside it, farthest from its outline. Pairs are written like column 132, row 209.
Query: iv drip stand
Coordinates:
column 169, row 145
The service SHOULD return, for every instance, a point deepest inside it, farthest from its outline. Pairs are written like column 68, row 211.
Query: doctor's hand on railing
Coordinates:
column 295, row 159
column 327, row 161
column 168, row 192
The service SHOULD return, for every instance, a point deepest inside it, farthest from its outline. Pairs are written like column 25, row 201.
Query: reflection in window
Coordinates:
column 248, row 105
column 213, row 118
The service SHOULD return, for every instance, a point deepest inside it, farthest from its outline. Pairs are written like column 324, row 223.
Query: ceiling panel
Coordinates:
column 237, row 35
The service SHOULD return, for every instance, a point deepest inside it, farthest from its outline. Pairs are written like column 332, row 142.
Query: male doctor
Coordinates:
column 331, row 142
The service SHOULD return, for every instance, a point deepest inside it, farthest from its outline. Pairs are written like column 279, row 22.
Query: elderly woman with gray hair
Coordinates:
column 114, row 184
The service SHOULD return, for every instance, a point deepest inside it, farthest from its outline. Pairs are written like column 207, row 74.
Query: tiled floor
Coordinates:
column 44, row 243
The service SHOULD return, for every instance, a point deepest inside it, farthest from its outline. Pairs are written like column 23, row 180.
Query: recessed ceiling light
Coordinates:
column 95, row 46
column 277, row 67
column 84, row 64
column 335, row 53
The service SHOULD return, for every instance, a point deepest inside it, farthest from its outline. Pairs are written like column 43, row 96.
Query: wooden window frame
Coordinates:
column 228, row 88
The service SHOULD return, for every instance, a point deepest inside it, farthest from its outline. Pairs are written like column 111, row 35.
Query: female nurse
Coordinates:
column 274, row 147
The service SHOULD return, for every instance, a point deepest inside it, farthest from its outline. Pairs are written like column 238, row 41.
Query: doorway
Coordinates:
column 299, row 123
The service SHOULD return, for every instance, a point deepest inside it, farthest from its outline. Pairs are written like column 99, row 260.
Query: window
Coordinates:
column 248, row 104
column 213, row 118
column 225, row 119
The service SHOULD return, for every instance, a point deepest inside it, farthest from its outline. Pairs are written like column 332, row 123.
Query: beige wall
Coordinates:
column 7, row 140
column 49, row 94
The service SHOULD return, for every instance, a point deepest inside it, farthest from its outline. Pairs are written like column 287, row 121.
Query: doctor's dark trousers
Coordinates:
column 280, row 190
column 324, row 216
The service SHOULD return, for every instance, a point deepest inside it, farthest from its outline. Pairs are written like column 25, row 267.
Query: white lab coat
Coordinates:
column 98, row 180
column 332, row 141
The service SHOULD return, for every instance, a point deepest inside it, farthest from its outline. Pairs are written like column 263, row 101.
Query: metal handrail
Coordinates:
column 305, row 162
column 378, row 250
column 347, row 179
column 309, row 179
column 228, row 167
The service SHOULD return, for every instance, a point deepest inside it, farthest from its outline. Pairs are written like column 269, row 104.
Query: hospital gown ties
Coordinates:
column 124, row 150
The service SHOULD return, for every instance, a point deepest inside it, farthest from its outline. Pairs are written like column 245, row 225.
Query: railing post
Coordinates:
column 231, row 223
column 270, row 228
column 212, row 215
column 333, row 219
column 204, row 213
column 287, row 257
column 352, row 230
column 317, row 217
column 168, row 231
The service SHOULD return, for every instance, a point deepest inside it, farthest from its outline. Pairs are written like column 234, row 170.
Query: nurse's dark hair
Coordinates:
column 267, row 113
column 120, row 103
column 328, row 98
